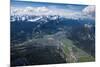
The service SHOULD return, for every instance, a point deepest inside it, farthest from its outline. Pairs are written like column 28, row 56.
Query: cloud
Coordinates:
column 29, row 10
column 89, row 10
column 40, row 11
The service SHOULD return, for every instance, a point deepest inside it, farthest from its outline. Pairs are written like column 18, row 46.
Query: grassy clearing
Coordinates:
column 86, row 59
column 81, row 55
